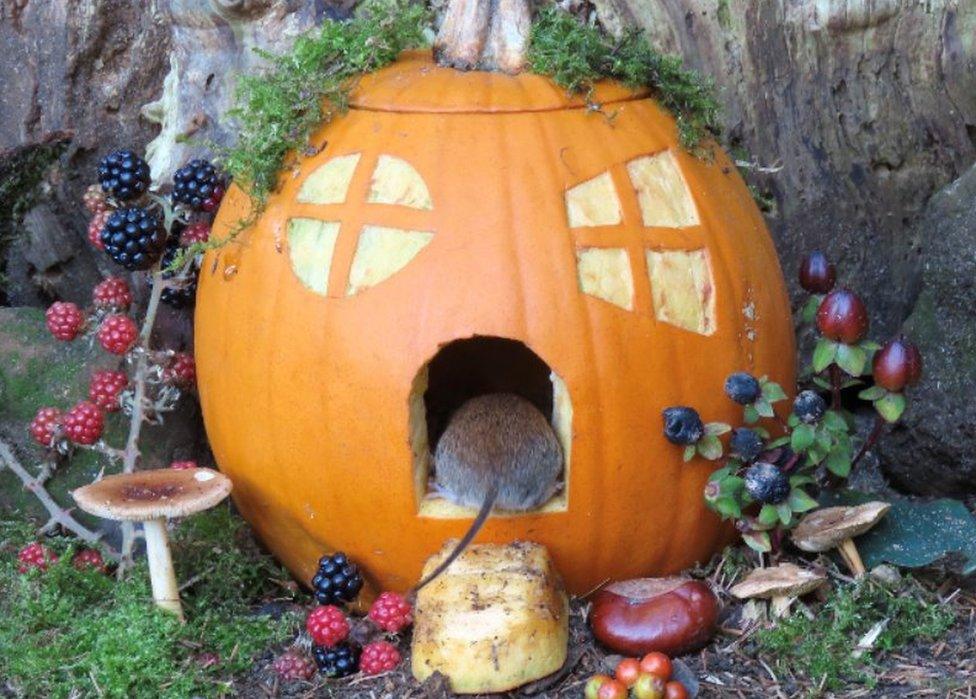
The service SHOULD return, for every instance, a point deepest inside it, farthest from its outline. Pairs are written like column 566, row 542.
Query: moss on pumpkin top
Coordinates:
column 278, row 109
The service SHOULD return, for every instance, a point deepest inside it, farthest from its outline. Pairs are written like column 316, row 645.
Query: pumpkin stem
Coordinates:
column 484, row 34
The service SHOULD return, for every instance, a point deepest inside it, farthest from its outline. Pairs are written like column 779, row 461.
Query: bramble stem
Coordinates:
column 835, row 380
column 871, row 440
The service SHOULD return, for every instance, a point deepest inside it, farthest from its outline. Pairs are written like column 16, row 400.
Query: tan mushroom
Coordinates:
column 780, row 584
column 152, row 497
column 835, row 527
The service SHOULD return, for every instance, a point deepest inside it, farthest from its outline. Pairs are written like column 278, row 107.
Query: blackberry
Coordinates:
column 183, row 295
column 340, row 661
column 767, row 484
column 195, row 183
column 134, row 238
column 337, row 580
column 809, row 407
column 682, row 425
column 743, row 388
column 123, row 175
column 745, row 443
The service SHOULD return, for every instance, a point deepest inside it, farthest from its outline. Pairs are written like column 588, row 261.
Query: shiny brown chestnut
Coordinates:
column 843, row 317
column 898, row 364
column 670, row 615
column 817, row 274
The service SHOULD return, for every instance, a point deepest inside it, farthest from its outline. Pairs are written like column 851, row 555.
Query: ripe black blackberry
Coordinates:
column 340, row 661
column 123, row 175
column 134, row 238
column 183, row 295
column 337, row 580
column 195, row 183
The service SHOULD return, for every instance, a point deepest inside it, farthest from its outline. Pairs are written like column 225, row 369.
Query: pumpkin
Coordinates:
column 460, row 233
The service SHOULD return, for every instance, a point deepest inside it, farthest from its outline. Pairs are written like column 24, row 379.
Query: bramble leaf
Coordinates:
column 824, row 354
column 891, row 406
column 851, row 359
column 799, row 500
column 710, row 447
column 802, row 438
column 758, row 541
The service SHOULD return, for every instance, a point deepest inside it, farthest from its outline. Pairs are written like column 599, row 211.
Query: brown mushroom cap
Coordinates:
column 159, row 493
column 784, row 580
column 824, row 529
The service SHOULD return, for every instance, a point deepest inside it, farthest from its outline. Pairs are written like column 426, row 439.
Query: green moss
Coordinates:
column 822, row 648
column 73, row 633
column 576, row 56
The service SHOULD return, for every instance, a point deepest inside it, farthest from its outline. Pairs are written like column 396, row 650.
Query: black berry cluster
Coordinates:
column 183, row 295
column 134, row 237
column 197, row 185
column 123, row 175
column 341, row 660
column 338, row 580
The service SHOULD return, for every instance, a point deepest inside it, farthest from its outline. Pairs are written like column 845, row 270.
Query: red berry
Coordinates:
column 675, row 690
column 88, row 559
column 627, row 671
column 112, row 293
column 377, row 657
column 118, row 334
column 105, row 388
column 198, row 232
column 817, row 274
column 898, row 364
column 391, row 612
column 83, row 424
column 35, row 555
column 94, row 199
column 327, row 626
column 648, row 686
column 592, row 687
column 45, row 425
column 64, row 319
column 213, row 202
column 183, row 465
column 612, row 689
column 292, row 665
column 182, row 370
column 95, row 226
column 843, row 317
column 658, row 664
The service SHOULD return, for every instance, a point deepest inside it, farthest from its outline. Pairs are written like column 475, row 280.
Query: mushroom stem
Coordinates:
column 848, row 551
column 780, row 605
column 161, row 574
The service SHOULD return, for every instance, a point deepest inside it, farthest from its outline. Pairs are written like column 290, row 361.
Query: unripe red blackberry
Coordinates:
column 377, row 657
column 327, row 626
column 391, row 612
column 105, row 388
column 86, row 559
column 35, row 555
column 182, row 370
column 95, row 227
column 83, row 424
column 198, row 232
column 118, row 334
column 898, row 364
column 183, row 465
column 817, row 274
column 112, row 293
column 45, row 425
column 94, row 199
column 843, row 317
column 294, row 665
column 64, row 319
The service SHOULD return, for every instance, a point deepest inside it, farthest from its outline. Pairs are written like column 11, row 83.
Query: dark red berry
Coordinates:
column 391, row 612
column 327, row 626
column 118, row 334
column 35, row 555
column 843, row 317
column 95, row 226
column 377, row 657
column 294, row 665
column 182, row 370
column 198, row 232
column 88, row 559
column 213, row 201
column 83, row 424
column 64, row 319
column 45, row 425
column 112, row 293
column 898, row 364
column 817, row 274
column 183, row 465
column 105, row 388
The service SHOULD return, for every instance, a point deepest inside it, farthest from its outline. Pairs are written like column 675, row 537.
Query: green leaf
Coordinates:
column 851, row 359
column 809, row 310
column 727, row 507
column 872, row 393
column 824, row 439
column 914, row 533
column 716, row 428
column 839, row 462
column 710, row 447
column 870, row 346
column 758, row 541
column 768, row 515
column 773, row 392
column 731, row 485
column 799, row 500
column 720, row 473
column 891, row 406
column 834, row 421
column 785, row 513
column 764, row 407
column 802, row 438
column 689, row 454
column 824, row 354
column 822, row 382
column 750, row 415
column 801, row 479
column 762, row 432
column 778, row 442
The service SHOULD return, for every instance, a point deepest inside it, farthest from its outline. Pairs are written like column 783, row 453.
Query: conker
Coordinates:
column 670, row 615
column 817, row 274
column 898, row 364
column 843, row 317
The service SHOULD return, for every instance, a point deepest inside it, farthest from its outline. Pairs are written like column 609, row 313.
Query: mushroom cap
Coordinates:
column 822, row 530
column 784, row 580
column 155, row 494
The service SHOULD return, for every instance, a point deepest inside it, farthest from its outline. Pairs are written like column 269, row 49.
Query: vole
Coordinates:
column 498, row 450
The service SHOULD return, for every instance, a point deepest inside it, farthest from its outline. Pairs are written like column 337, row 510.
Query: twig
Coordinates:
column 835, row 379
column 879, row 424
column 58, row 514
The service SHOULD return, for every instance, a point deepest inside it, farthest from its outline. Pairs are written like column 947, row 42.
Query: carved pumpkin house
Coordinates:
column 460, row 233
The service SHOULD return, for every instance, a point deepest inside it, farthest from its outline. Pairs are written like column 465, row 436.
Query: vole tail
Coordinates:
column 472, row 532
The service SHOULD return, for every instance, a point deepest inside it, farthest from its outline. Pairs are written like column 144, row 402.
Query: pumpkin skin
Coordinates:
column 306, row 393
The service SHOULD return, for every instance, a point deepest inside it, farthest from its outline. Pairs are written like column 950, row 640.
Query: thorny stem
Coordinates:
column 872, row 438
column 835, row 380
column 59, row 515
